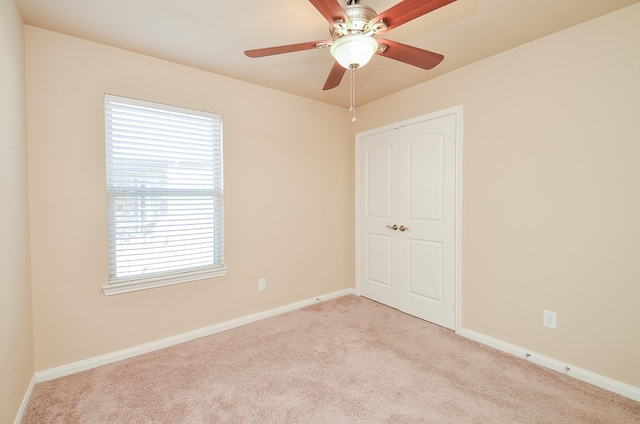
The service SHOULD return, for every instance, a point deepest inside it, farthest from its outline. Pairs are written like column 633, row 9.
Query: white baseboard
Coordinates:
column 606, row 383
column 25, row 400
column 97, row 361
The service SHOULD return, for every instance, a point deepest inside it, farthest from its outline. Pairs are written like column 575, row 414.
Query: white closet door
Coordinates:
column 406, row 221
column 426, row 206
column 378, row 211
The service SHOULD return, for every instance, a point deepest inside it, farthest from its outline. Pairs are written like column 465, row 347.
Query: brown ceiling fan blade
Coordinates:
column 408, row 10
column 412, row 55
column 269, row 51
column 335, row 76
column 331, row 10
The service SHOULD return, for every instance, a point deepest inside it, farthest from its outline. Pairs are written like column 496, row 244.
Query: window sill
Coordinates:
column 162, row 280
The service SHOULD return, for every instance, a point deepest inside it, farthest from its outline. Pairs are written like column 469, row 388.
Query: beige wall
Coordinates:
column 288, row 199
column 16, row 338
column 551, row 211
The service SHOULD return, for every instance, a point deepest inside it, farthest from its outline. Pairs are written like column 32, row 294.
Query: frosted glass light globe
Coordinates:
column 354, row 51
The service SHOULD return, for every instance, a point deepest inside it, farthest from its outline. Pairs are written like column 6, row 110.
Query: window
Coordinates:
column 165, row 194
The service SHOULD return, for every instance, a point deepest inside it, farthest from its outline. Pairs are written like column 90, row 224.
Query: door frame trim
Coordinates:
column 458, row 112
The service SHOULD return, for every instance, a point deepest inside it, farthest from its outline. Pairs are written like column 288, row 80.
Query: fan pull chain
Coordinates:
column 352, row 94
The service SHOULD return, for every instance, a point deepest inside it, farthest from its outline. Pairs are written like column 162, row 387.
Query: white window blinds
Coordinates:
column 165, row 194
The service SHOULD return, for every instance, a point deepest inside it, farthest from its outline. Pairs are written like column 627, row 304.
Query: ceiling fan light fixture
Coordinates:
column 354, row 51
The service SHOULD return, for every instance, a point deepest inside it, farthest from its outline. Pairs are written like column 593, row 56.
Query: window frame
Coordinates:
column 126, row 284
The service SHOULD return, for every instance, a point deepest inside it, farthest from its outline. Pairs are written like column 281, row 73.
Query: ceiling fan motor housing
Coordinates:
column 360, row 17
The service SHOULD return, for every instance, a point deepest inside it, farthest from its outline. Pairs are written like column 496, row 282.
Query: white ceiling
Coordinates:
column 213, row 34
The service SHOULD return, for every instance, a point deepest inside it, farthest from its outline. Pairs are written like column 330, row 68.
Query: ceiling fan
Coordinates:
column 353, row 30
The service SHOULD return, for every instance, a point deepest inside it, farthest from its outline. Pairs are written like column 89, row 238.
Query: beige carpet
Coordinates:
column 348, row 360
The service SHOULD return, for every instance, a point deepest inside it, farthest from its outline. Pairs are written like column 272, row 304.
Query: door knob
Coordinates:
column 403, row 228
column 394, row 227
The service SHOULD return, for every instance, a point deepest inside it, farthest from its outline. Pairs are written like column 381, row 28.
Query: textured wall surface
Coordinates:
column 288, row 199
column 550, row 204
column 16, row 337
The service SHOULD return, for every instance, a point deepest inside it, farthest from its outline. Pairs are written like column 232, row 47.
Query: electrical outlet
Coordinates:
column 550, row 319
column 262, row 284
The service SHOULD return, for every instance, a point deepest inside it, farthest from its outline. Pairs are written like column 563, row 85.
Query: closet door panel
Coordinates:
column 378, row 211
column 425, row 280
column 426, row 195
column 425, row 178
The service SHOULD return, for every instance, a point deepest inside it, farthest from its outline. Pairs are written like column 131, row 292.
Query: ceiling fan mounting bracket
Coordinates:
column 378, row 27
